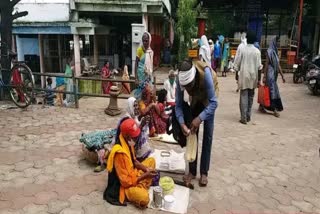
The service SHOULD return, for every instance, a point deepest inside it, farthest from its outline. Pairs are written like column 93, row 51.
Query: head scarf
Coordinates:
column 243, row 40
column 130, row 107
column 221, row 38
column 257, row 45
column 130, row 110
column 205, row 50
column 273, row 53
column 211, row 45
column 185, row 77
column 149, row 36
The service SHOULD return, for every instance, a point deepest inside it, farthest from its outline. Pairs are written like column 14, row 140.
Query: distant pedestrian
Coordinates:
column 205, row 51
column 49, row 97
column 217, row 55
column 105, row 74
column 225, row 57
column 271, row 70
column 248, row 63
column 144, row 65
column 69, row 82
column 211, row 46
column 240, row 46
column 60, row 87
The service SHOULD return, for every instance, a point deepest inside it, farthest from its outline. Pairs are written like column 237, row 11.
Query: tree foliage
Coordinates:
column 186, row 26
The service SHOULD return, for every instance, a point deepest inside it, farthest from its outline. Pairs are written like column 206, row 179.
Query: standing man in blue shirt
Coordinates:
column 196, row 100
column 217, row 55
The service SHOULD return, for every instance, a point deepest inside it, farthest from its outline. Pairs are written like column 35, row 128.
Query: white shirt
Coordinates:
column 248, row 63
column 171, row 89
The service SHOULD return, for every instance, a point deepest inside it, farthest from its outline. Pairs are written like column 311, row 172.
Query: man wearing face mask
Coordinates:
column 128, row 179
column 196, row 102
column 170, row 86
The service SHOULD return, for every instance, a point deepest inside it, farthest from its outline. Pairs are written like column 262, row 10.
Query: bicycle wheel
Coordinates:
column 22, row 83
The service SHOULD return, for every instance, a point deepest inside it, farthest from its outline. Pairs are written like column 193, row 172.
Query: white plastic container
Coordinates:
column 168, row 202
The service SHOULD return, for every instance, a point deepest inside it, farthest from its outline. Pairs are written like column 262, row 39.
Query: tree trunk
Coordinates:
column 6, row 10
column 6, row 41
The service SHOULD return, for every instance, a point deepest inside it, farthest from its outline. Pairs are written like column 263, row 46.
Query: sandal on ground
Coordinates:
column 262, row 110
column 243, row 122
column 276, row 114
column 100, row 168
column 187, row 178
column 203, row 181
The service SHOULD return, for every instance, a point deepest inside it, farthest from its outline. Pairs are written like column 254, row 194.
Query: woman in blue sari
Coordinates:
column 144, row 65
column 271, row 70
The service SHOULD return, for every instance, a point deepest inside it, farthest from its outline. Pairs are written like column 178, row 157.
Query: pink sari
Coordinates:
column 105, row 73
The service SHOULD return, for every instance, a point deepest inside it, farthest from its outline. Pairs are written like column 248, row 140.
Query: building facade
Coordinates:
column 98, row 30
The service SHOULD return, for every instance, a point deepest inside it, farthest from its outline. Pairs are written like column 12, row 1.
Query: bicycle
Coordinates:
column 21, row 81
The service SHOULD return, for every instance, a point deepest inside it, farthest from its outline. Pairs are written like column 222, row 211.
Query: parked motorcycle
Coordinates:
column 300, row 68
column 313, row 76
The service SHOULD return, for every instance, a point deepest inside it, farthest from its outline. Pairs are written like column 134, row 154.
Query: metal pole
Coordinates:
column 74, row 82
column 95, row 50
column 41, row 53
column 299, row 27
column 59, row 53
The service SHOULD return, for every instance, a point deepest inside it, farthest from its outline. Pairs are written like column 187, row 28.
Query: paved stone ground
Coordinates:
column 271, row 165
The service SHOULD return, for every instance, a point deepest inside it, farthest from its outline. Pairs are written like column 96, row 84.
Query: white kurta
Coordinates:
column 248, row 63
column 171, row 91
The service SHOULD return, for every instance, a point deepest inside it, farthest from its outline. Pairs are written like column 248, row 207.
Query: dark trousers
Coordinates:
column 206, row 144
column 246, row 101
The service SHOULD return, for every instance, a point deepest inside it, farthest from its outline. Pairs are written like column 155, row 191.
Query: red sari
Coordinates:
column 17, row 81
column 160, row 120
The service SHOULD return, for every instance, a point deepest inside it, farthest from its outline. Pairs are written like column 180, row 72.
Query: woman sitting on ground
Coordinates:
column 128, row 179
column 142, row 147
column 155, row 110
column 147, row 106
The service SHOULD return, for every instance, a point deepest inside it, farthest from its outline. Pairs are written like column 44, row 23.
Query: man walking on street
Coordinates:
column 248, row 63
column 196, row 102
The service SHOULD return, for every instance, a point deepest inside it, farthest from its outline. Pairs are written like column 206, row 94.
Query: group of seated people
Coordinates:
column 130, row 169
column 154, row 107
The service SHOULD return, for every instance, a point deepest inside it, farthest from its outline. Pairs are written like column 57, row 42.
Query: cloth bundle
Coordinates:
column 96, row 140
column 191, row 150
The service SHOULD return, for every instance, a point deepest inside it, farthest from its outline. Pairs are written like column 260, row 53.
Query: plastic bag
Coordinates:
column 192, row 145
